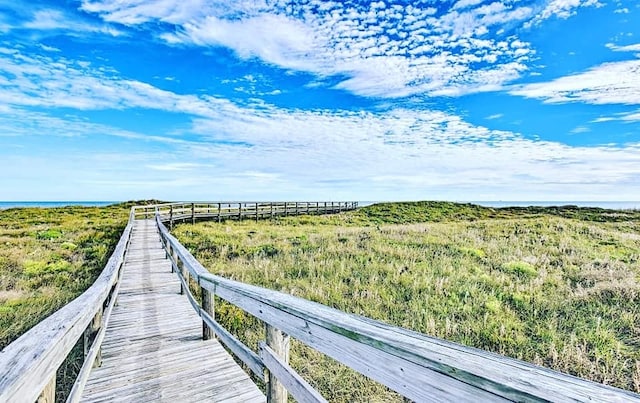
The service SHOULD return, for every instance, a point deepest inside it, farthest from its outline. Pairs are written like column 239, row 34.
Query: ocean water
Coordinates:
column 12, row 204
column 622, row 205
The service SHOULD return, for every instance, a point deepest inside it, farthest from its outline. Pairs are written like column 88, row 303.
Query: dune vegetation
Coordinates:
column 49, row 256
column 559, row 287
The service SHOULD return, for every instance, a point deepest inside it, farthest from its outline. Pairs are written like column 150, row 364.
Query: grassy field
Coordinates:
column 559, row 287
column 47, row 258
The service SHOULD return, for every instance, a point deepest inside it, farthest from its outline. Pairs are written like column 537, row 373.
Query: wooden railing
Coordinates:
column 418, row 367
column 181, row 212
column 28, row 365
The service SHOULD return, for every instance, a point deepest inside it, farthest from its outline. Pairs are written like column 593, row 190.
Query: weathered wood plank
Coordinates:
column 153, row 348
column 48, row 394
column 246, row 355
column 279, row 344
column 292, row 381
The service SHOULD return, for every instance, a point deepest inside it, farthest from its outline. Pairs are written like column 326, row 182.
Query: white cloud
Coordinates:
column 608, row 83
column 627, row 48
column 561, row 9
column 40, row 20
column 280, row 152
column 390, row 51
column 495, row 116
column 466, row 3
column 628, row 117
column 580, row 129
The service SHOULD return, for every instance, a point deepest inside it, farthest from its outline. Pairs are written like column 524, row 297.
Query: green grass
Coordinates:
column 558, row 287
column 49, row 256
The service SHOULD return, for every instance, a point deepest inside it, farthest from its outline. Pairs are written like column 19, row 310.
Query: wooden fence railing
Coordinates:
column 419, row 367
column 192, row 211
column 28, row 365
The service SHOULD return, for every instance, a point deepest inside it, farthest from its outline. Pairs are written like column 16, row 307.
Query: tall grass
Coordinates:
column 49, row 256
column 556, row 287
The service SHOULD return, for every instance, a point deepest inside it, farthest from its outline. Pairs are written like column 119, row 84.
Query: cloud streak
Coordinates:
column 385, row 50
column 316, row 153
column 608, row 83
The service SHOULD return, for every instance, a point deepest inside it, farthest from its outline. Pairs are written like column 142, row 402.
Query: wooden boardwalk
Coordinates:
column 153, row 348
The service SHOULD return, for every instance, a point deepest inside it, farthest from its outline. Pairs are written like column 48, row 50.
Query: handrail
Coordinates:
column 182, row 211
column 417, row 366
column 29, row 364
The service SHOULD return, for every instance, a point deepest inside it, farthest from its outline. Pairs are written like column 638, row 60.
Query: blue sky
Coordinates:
column 255, row 100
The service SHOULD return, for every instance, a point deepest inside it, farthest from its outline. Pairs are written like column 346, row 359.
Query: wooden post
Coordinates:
column 181, row 271
column 239, row 211
column 279, row 343
column 174, row 255
column 93, row 327
column 308, row 208
column 193, row 213
column 171, row 217
column 271, row 204
column 339, row 207
column 297, row 212
column 256, row 211
column 219, row 212
column 208, row 306
column 185, row 275
column 48, row 394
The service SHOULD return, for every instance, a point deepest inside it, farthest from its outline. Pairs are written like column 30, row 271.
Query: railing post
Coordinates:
column 279, row 342
column 219, row 212
column 93, row 327
column 180, row 266
column 171, row 217
column 339, row 207
column 193, row 213
column 271, row 204
column 297, row 212
column 208, row 306
column 256, row 211
column 48, row 394
column 239, row 211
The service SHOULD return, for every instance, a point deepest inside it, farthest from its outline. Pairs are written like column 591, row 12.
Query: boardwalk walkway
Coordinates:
column 153, row 348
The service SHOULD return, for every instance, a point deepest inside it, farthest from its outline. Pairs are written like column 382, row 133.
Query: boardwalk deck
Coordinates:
column 153, row 349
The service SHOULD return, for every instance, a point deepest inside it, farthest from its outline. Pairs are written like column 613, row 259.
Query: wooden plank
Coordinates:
column 153, row 350
column 279, row 344
column 251, row 359
column 292, row 381
column 93, row 358
column 207, row 303
column 48, row 394
column 409, row 379
column 417, row 366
